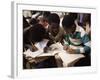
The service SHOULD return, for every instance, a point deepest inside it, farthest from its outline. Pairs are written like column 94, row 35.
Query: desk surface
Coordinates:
column 65, row 56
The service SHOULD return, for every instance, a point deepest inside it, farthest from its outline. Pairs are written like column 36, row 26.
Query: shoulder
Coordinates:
column 61, row 29
column 81, row 30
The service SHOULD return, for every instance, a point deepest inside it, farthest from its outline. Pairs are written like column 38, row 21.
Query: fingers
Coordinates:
column 71, row 51
column 65, row 47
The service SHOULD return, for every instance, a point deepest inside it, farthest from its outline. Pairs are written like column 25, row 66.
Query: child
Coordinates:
column 76, row 40
column 55, row 33
column 44, row 19
column 36, row 35
column 54, row 29
column 87, row 23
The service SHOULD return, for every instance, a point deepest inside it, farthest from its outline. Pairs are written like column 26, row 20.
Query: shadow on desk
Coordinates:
column 47, row 62
column 86, row 61
column 51, row 62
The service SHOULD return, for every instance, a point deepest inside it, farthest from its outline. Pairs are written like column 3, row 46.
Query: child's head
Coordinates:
column 53, row 18
column 37, row 33
column 74, row 15
column 54, row 21
column 68, row 24
column 46, row 14
column 44, row 19
column 86, row 19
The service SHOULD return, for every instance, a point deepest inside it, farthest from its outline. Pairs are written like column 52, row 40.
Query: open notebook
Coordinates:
column 64, row 55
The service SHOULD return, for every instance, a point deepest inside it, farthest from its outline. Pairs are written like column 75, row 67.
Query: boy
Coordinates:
column 76, row 40
column 54, row 32
column 87, row 23
column 37, row 35
column 54, row 29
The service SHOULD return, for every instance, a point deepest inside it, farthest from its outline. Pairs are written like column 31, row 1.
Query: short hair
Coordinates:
column 74, row 15
column 87, row 18
column 67, row 21
column 46, row 14
column 37, row 33
column 53, row 18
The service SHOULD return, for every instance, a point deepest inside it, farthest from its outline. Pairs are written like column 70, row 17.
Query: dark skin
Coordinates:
column 54, row 29
column 70, row 30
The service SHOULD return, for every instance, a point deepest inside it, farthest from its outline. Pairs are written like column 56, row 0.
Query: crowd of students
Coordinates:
column 74, row 31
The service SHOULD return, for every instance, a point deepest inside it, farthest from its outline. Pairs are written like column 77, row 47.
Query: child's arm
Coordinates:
column 71, row 51
column 66, row 44
column 34, row 48
column 86, row 48
column 86, row 43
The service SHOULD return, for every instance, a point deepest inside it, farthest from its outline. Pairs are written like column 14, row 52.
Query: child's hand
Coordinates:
column 71, row 51
column 65, row 47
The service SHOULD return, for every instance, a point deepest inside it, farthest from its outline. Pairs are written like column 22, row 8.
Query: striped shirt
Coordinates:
column 79, row 41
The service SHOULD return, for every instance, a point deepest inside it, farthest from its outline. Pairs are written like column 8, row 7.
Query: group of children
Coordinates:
column 74, row 34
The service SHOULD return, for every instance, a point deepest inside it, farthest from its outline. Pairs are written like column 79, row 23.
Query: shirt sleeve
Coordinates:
column 85, row 41
column 66, row 40
column 86, row 45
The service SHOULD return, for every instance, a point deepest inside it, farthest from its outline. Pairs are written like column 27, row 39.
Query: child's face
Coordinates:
column 54, row 28
column 70, row 30
column 43, row 22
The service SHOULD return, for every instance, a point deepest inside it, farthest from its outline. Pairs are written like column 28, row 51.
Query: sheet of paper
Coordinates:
column 45, row 54
column 55, row 49
column 29, row 53
column 57, row 46
column 42, row 44
column 68, row 58
column 64, row 55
